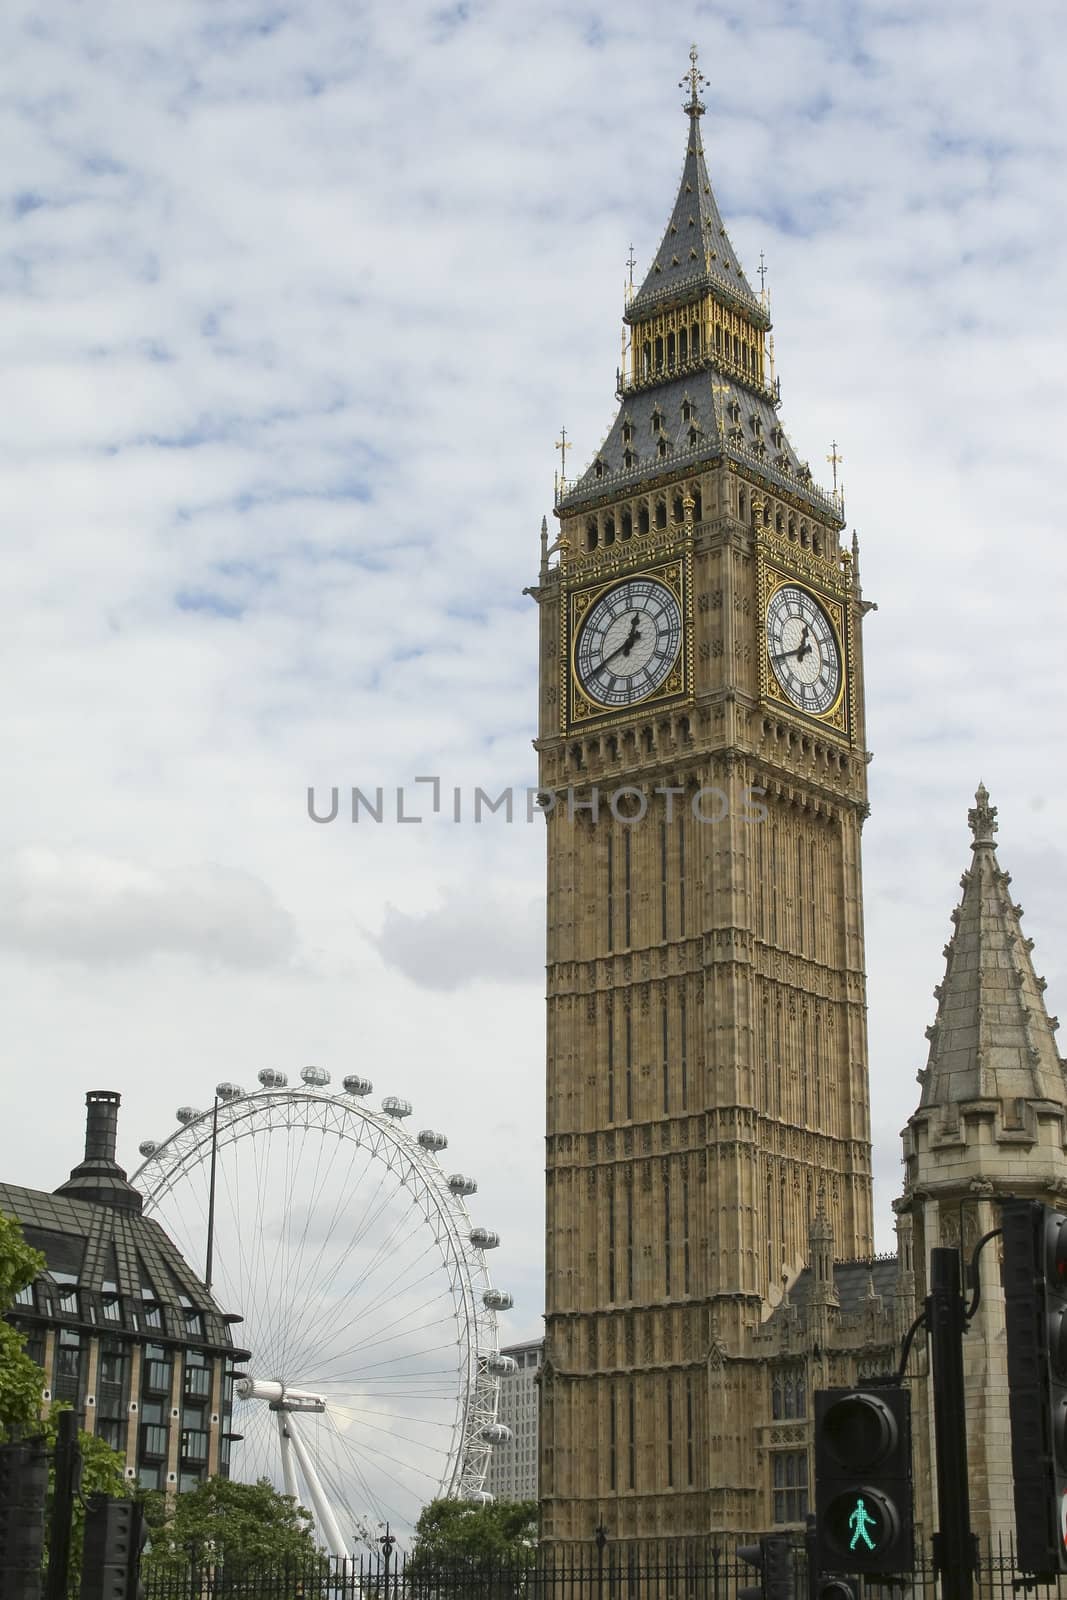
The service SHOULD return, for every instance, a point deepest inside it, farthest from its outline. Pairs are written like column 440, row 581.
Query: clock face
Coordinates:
column 803, row 650
column 629, row 642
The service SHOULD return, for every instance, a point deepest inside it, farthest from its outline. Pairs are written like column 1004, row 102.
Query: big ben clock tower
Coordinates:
column 703, row 765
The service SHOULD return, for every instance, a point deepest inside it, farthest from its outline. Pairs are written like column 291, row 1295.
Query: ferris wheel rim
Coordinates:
column 373, row 1130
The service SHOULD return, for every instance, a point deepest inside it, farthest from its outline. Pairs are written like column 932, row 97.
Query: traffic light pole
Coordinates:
column 954, row 1555
column 68, row 1473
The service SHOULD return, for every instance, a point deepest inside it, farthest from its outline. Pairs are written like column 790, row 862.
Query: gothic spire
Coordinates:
column 695, row 252
column 993, row 1038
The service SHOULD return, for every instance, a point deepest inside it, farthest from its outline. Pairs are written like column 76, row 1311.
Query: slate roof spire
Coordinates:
column 993, row 1039
column 696, row 249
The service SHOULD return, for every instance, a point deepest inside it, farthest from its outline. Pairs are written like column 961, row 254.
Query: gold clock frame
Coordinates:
column 840, row 719
column 580, row 710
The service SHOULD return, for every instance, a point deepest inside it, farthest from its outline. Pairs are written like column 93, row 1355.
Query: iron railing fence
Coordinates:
column 652, row 1570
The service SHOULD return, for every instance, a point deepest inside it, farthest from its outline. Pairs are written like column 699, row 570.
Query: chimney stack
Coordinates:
column 99, row 1178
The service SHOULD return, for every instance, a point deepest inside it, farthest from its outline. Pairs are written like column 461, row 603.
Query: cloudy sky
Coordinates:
column 296, row 298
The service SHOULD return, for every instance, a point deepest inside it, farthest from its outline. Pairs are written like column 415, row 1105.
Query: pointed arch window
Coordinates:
column 642, row 520
column 694, row 340
column 683, row 345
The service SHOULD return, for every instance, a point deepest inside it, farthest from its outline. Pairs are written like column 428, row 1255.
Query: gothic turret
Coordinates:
column 991, row 1121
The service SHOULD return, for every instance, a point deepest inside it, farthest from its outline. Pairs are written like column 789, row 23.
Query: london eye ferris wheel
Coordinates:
column 362, row 1280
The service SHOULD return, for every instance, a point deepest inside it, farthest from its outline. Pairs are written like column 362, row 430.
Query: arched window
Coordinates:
column 718, row 337
column 816, row 544
column 741, row 504
column 661, row 513
column 659, row 355
column 792, row 527
column 627, row 529
column 609, row 530
column 592, row 538
column 678, row 509
column 698, row 506
column 683, row 345
column 670, row 350
column 646, row 358
column 694, row 340
column 642, row 520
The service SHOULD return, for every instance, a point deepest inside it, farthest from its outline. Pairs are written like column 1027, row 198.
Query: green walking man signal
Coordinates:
column 858, row 1524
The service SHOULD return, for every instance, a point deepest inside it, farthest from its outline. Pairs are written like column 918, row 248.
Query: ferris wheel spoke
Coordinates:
column 370, row 1307
column 386, row 1332
column 308, row 1316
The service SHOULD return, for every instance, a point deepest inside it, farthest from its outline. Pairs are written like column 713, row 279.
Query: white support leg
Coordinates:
column 319, row 1503
column 288, row 1475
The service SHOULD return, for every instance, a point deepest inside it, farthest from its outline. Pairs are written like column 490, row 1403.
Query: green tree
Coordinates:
column 231, row 1526
column 21, row 1380
column 456, row 1534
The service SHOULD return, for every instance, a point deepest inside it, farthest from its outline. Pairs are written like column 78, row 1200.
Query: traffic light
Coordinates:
column 863, row 1495
column 115, row 1535
column 23, row 1486
column 771, row 1558
column 1035, row 1315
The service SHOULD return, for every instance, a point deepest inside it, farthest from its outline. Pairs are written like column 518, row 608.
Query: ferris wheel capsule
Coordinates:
column 315, row 1077
column 357, row 1086
column 484, row 1238
column 187, row 1114
column 229, row 1091
column 394, row 1106
column 498, row 1299
column 501, row 1366
column 148, row 1147
column 481, row 1498
column 459, row 1183
column 496, row 1433
column 432, row 1141
column 271, row 1078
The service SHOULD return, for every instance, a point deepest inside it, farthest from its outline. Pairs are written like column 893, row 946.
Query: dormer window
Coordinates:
column 777, row 434
column 599, row 468
column 687, row 411
column 663, row 447
column 733, row 411
column 657, row 421
column 627, row 432
column 756, row 423
column 693, row 436
column 628, row 458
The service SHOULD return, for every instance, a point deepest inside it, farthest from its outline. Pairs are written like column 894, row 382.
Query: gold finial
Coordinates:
column 693, row 79
column 835, row 461
column 563, row 444
column 762, row 275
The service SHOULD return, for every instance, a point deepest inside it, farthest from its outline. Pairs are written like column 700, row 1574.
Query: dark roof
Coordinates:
column 754, row 438
column 108, row 1250
column 852, row 1280
column 695, row 253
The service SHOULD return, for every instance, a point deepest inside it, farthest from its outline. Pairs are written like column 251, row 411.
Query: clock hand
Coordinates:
column 627, row 645
column 623, row 650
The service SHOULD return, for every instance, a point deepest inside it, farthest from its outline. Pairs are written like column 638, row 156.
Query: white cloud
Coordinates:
column 103, row 912
column 464, row 940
